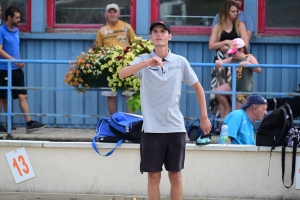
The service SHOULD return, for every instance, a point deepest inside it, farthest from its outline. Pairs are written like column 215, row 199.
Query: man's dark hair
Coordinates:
column 10, row 11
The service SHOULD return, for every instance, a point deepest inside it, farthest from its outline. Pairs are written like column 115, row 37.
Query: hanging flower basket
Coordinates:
column 98, row 81
column 99, row 67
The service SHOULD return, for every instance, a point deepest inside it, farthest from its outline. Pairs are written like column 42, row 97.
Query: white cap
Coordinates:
column 114, row 6
column 236, row 44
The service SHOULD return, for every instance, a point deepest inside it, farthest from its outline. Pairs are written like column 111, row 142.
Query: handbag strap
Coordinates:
column 98, row 128
column 280, row 136
column 111, row 151
column 295, row 143
column 290, row 114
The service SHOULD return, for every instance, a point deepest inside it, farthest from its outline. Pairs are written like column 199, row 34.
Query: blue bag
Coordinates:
column 127, row 126
column 120, row 127
column 104, row 134
column 194, row 131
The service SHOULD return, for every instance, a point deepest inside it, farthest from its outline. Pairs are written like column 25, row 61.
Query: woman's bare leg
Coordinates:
column 223, row 100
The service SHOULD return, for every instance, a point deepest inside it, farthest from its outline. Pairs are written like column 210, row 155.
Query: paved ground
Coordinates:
column 36, row 196
column 60, row 134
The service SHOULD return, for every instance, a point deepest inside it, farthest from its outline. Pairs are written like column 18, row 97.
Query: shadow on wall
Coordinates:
column 279, row 17
column 20, row 4
column 87, row 11
column 191, row 12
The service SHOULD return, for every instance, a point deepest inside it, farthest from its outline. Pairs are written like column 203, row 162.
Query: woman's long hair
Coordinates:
column 224, row 15
column 245, row 50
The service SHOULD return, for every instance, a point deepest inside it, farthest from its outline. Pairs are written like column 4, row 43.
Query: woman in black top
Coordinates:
column 228, row 28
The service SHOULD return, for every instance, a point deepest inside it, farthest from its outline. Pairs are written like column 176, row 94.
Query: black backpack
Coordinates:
column 274, row 128
column 273, row 131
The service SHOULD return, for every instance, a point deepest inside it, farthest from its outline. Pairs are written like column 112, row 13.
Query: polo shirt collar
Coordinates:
column 5, row 26
column 167, row 58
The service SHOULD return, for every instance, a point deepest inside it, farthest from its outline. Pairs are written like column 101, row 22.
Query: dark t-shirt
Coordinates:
column 229, row 36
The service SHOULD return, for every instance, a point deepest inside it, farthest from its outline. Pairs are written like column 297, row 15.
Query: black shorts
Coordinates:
column 162, row 148
column 17, row 80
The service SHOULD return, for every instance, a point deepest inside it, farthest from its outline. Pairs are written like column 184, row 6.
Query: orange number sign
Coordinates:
column 16, row 165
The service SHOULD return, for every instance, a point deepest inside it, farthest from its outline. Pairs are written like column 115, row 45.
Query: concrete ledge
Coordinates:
column 74, row 168
column 53, row 134
column 22, row 143
column 128, row 145
column 64, row 134
column 218, row 147
column 277, row 149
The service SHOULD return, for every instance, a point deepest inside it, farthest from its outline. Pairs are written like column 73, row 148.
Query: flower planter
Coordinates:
column 108, row 61
column 94, row 82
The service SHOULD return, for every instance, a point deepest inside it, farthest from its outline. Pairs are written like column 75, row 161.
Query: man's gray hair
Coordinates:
column 252, row 105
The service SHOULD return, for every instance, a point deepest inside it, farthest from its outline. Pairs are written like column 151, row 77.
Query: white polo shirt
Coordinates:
column 161, row 91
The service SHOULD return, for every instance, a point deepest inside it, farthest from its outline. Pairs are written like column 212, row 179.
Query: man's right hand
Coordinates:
column 20, row 65
column 155, row 61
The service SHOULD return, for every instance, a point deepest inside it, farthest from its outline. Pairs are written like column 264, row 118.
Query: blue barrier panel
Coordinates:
column 9, row 87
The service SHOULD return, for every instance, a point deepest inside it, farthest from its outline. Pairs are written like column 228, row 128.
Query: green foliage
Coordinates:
column 134, row 102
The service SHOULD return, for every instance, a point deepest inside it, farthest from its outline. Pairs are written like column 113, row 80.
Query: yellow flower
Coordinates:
column 106, row 61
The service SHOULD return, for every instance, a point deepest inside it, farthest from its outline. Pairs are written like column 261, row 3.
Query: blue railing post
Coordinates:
column 9, row 101
column 233, row 89
column 119, row 100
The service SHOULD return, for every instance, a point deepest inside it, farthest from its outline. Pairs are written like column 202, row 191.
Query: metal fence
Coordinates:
column 9, row 87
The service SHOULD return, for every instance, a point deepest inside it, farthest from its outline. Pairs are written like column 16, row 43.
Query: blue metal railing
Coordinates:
column 9, row 87
column 234, row 92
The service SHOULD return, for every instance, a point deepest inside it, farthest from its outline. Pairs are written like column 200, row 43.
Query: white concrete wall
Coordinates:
column 212, row 171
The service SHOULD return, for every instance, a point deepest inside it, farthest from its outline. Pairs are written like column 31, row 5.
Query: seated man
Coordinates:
column 240, row 129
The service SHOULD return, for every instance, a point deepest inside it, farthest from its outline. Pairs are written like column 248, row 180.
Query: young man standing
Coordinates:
column 114, row 33
column 163, row 142
column 9, row 49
